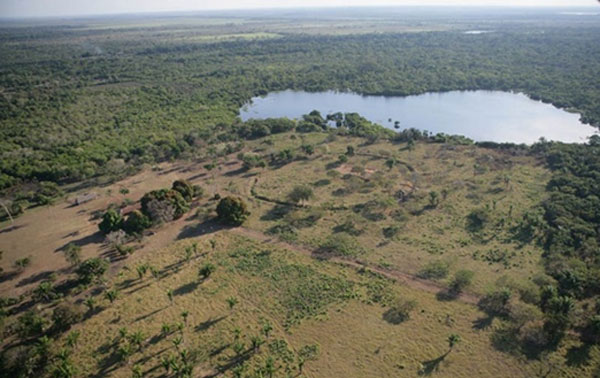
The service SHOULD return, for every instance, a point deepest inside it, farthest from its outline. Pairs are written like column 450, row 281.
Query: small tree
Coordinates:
column 206, row 270
column 111, row 221
column 111, row 295
column 136, row 222
column 22, row 263
column 231, row 302
column 91, row 269
column 308, row 149
column 300, row 193
column 462, row 279
column 400, row 311
column 185, row 189
column 232, row 211
column 65, row 315
column 434, row 199
column 72, row 254
column 349, row 151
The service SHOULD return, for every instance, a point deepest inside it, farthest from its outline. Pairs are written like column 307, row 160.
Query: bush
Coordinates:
column 496, row 302
column 300, row 193
column 477, row 219
column 206, row 270
column 232, row 211
column 66, row 314
column 164, row 204
column 91, row 269
column 341, row 245
column 462, row 279
column 31, row 324
column 434, row 270
column 136, row 222
column 185, row 189
column 399, row 311
column 111, row 221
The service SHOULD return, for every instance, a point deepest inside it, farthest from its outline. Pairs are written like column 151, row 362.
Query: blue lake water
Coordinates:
column 479, row 115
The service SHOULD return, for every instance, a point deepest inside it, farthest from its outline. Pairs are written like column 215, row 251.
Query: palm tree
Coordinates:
column 141, row 270
column 123, row 332
column 256, row 341
column 231, row 301
column 270, row 366
column 453, row 339
column 267, row 328
column 177, row 342
column 184, row 315
column 165, row 329
column 166, row 363
column 90, row 302
column 72, row 338
column 206, row 270
column 137, row 338
column 111, row 295
column 136, row 371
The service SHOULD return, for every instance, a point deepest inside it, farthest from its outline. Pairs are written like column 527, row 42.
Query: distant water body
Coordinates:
column 480, row 115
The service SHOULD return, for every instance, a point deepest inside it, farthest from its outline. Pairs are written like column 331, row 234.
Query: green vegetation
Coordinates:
column 232, row 211
column 497, row 241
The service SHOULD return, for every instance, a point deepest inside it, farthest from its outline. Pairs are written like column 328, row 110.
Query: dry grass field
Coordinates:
column 318, row 279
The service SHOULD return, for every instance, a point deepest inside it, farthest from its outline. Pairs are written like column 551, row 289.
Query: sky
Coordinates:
column 45, row 8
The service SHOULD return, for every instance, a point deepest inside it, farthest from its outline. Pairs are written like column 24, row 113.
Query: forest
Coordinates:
column 101, row 101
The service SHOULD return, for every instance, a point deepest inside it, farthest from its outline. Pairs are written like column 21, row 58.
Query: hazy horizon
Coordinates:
column 69, row 8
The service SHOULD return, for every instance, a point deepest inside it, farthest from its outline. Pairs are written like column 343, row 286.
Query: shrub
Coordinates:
column 341, row 245
column 73, row 254
column 434, row 270
column 22, row 263
column 91, row 269
column 66, row 314
column 111, row 221
column 136, row 222
column 232, row 211
column 184, row 188
column 399, row 311
column 300, row 193
column 31, row 324
column 45, row 292
column 496, row 302
column 477, row 219
column 206, row 270
column 391, row 231
column 462, row 279
column 161, row 205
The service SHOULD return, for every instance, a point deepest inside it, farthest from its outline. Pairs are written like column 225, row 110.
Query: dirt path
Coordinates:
column 406, row 278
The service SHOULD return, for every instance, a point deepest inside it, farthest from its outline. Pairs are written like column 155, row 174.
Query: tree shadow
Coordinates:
column 142, row 317
column 9, row 276
column 392, row 316
column 207, row 227
column 578, row 355
column 207, row 324
column 447, row 295
column 96, row 238
column 483, row 322
column 431, row 366
column 186, row 289
column 12, row 228
column 35, row 278
column 276, row 212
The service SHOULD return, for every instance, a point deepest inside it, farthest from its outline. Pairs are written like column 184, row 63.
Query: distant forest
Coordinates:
column 77, row 103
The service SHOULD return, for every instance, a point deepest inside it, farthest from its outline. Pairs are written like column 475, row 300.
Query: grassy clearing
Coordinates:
column 356, row 212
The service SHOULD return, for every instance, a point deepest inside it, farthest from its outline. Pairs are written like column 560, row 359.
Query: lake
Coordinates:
column 479, row 115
